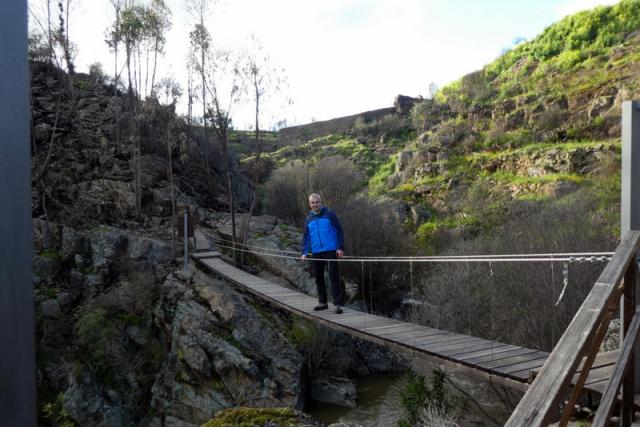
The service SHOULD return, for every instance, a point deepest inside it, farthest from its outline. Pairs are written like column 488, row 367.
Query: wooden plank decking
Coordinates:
column 485, row 356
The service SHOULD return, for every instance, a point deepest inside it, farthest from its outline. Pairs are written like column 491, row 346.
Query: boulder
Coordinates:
column 403, row 160
column 419, row 214
column 87, row 403
column 72, row 243
column 332, row 390
column 50, row 309
column 403, row 104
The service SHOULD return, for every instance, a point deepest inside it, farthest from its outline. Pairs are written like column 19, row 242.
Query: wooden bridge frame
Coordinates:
column 582, row 338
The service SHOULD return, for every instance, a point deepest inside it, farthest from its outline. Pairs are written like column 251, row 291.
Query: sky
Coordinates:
column 341, row 57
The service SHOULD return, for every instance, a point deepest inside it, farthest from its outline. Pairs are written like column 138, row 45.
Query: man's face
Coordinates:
column 315, row 204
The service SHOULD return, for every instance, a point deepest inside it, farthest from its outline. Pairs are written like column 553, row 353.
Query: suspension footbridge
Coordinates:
column 502, row 363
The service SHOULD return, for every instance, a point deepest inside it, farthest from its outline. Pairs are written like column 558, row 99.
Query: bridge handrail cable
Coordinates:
column 536, row 257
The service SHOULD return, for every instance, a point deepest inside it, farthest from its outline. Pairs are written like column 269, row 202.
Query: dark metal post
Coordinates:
column 630, row 209
column 17, row 326
column 186, row 240
column 630, row 220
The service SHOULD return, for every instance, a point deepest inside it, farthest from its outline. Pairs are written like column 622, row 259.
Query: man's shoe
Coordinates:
column 320, row 307
column 338, row 309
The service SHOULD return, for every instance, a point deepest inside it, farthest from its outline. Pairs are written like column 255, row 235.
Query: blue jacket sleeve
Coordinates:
column 338, row 227
column 305, row 238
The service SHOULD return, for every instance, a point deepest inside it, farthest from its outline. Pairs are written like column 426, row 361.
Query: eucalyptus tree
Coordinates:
column 114, row 38
column 159, row 18
column 226, row 86
column 264, row 80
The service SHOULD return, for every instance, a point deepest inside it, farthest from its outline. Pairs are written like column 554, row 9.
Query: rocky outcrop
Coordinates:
column 222, row 354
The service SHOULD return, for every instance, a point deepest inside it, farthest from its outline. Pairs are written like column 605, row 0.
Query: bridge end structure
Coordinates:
column 17, row 325
column 630, row 214
column 616, row 286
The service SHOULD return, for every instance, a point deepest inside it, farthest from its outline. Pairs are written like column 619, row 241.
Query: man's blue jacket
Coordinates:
column 322, row 232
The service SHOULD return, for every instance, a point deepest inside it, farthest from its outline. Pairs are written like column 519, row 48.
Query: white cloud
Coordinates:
column 579, row 5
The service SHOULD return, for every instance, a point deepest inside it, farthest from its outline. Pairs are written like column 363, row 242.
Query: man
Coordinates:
column 323, row 239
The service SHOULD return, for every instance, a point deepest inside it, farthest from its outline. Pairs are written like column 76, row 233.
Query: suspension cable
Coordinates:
column 465, row 259
column 562, row 256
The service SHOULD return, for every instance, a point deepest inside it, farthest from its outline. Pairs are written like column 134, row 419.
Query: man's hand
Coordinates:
column 303, row 257
column 339, row 253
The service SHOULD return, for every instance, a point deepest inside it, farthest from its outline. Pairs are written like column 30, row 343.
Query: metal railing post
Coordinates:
column 17, row 325
column 630, row 202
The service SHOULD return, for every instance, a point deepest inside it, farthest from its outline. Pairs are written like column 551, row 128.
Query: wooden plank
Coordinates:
column 502, row 364
column 624, row 358
column 480, row 353
column 449, row 339
column 602, row 359
column 535, row 363
column 419, row 333
column 364, row 320
column 465, row 342
column 391, row 333
column 465, row 349
column 432, row 339
column 495, row 354
column 388, row 326
column 205, row 255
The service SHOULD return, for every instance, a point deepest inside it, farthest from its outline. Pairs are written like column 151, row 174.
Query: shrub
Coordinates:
column 286, row 191
column 515, row 302
column 418, row 397
column 370, row 230
column 318, row 345
column 336, row 179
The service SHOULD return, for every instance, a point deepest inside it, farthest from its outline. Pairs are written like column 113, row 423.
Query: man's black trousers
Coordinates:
column 321, row 259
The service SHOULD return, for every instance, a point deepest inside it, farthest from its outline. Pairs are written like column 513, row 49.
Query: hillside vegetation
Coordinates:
column 538, row 123
column 521, row 156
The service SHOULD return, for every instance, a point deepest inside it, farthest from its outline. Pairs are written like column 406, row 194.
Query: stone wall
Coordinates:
column 326, row 127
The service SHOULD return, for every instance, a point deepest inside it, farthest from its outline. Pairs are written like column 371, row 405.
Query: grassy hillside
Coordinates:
column 537, row 124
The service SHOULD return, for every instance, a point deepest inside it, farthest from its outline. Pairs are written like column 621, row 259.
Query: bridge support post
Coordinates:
column 17, row 326
column 630, row 217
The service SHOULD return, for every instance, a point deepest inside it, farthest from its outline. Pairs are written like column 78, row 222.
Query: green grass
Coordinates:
column 513, row 179
column 254, row 417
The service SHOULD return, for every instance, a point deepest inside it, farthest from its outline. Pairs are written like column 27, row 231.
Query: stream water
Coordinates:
column 479, row 402
column 378, row 403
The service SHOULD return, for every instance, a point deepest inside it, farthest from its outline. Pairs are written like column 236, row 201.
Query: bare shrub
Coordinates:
column 369, row 230
column 336, row 179
column 285, row 193
column 318, row 345
column 515, row 302
column 433, row 416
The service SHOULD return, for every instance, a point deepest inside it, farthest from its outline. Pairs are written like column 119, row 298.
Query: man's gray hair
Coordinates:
column 315, row 196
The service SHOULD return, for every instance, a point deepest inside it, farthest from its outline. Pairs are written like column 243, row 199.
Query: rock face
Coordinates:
column 254, row 365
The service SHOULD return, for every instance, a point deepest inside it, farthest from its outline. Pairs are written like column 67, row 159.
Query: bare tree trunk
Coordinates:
column 155, row 63
column 49, row 35
column 173, row 198
column 146, row 74
column 129, row 66
column 256, row 165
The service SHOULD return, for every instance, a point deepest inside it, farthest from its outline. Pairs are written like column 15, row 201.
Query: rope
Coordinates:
column 568, row 256
column 470, row 258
